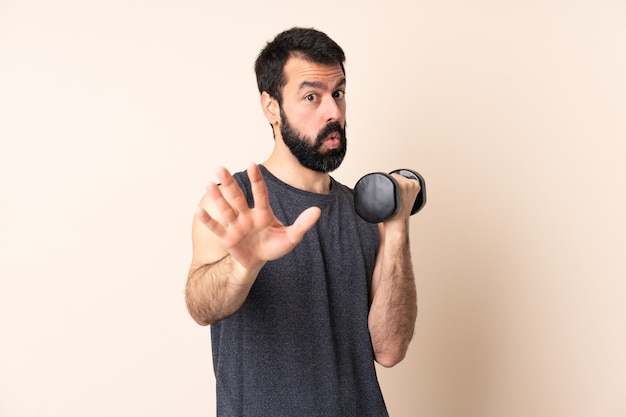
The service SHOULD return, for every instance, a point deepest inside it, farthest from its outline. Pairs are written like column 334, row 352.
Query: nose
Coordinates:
column 333, row 111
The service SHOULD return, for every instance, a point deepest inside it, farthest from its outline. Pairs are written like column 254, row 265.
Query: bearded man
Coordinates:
column 302, row 295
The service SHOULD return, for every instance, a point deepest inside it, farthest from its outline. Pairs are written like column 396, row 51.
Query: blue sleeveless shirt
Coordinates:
column 300, row 345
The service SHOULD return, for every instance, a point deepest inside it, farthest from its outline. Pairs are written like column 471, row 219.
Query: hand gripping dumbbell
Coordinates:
column 377, row 195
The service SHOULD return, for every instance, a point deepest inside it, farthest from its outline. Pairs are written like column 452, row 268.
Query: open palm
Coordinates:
column 252, row 236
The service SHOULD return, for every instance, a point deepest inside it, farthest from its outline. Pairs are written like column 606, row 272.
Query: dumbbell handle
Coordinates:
column 377, row 195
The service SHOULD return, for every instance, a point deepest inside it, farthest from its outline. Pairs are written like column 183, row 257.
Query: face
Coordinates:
column 312, row 117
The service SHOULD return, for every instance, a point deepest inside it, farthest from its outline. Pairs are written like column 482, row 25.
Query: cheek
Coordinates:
column 303, row 120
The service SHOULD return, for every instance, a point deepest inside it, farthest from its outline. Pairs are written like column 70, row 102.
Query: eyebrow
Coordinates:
column 320, row 85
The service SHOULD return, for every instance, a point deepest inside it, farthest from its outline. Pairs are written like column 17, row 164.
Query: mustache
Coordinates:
column 331, row 127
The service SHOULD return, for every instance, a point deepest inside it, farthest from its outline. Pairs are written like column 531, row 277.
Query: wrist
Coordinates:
column 396, row 228
column 244, row 275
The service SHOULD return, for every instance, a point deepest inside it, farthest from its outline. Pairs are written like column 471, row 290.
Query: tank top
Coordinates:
column 300, row 345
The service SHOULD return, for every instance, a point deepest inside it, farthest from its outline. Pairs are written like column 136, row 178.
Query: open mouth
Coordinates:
column 333, row 140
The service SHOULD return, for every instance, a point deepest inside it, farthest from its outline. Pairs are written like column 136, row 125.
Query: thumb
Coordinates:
column 305, row 221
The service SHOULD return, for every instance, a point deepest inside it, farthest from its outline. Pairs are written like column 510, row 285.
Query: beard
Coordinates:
column 309, row 154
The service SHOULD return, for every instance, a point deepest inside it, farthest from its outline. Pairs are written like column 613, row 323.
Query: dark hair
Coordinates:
column 309, row 44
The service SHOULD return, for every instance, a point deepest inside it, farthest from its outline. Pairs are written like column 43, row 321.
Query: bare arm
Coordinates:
column 232, row 242
column 393, row 308
column 217, row 290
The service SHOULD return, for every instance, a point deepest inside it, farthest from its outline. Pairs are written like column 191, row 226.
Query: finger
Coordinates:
column 259, row 189
column 213, row 225
column 225, row 211
column 408, row 186
column 409, row 189
column 230, row 190
column 304, row 222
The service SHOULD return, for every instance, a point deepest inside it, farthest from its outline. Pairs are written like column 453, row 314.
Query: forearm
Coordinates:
column 215, row 291
column 393, row 308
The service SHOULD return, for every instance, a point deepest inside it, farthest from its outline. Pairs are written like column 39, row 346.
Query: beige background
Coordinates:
column 114, row 114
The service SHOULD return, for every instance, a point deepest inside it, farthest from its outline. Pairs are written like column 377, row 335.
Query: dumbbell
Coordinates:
column 377, row 195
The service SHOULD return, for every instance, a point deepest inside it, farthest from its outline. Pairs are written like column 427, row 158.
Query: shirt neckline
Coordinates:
column 267, row 175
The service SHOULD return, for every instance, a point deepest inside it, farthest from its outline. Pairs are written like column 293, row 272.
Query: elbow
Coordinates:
column 390, row 349
column 204, row 316
column 199, row 316
column 390, row 357
column 200, row 320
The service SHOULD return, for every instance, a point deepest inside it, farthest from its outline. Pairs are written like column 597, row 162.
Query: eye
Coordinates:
column 339, row 94
column 310, row 97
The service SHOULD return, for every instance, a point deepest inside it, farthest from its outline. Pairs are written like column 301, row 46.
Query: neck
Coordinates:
column 287, row 169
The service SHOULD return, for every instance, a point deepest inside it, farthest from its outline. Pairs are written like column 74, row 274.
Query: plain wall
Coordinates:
column 114, row 114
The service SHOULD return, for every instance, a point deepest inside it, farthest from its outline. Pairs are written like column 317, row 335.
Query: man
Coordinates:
column 301, row 294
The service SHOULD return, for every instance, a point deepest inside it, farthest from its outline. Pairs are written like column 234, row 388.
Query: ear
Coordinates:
column 271, row 108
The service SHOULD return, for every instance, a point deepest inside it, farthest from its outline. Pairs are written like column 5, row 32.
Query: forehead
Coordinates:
column 299, row 72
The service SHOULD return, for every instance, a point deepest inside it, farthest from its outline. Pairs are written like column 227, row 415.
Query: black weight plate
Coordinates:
column 375, row 197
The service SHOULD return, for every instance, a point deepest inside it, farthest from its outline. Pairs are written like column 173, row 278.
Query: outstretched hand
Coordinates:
column 252, row 236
